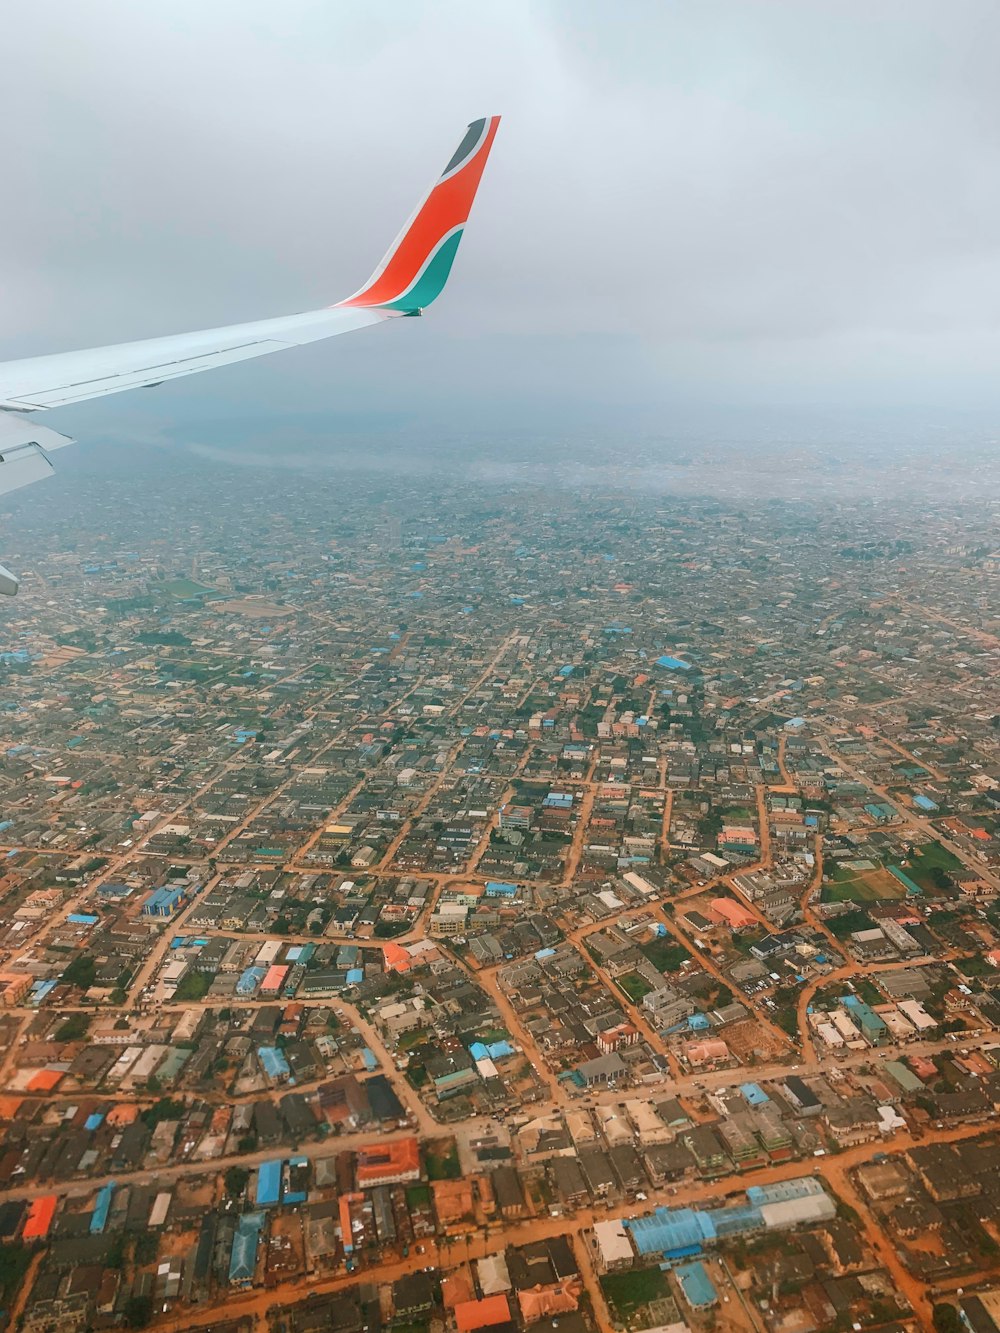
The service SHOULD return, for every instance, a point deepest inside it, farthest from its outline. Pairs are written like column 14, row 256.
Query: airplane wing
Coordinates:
column 411, row 276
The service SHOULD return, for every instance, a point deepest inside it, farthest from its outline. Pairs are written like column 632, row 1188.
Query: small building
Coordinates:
column 163, row 903
column 243, row 1256
column 614, row 1249
column 470, row 1316
column 696, row 1286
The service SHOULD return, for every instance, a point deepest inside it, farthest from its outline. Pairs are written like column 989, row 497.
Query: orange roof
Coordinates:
column 39, row 1218
column 390, row 1159
column 124, row 1113
column 700, row 1051
column 482, row 1314
column 452, row 1199
column 9, row 1107
column 733, row 912
column 44, row 1080
column 396, row 958
column 456, row 1288
column 543, row 1302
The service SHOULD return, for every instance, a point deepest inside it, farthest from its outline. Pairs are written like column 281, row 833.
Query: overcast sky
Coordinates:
column 691, row 206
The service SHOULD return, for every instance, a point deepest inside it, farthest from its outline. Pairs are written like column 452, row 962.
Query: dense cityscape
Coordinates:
column 437, row 904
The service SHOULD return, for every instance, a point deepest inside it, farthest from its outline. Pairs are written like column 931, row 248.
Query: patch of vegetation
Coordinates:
column 408, row 1041
column 418, row 1196
column 634, row 986
column 946, row 1319
column 868, row 992
column 169, row 638
column 975, row 966
column 74, row 1029
column 167, row 1108
column 786, row 1010
column 665, row 954
column 147, row 1246
column 194, row 986
column 138, row 1311
column 441, row 1160
column 81, row 972
column 746, row 939
column 182, row 588
column 848, row 922
column 14, row 1261
column 386, row 930
column 628, row 1292
column 932, row 866
column 235, row 1179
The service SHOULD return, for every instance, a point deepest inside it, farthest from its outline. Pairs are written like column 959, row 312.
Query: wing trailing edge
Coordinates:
column 411, row 275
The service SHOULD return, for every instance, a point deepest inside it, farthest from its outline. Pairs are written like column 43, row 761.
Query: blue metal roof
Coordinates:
column 737, row 1220
column 669, row 1230
column 696, row 1286
column 243, row 1257
column 99, row 1217
column 249, row 980
column 754, row 1095
column 274, row 1062
column 268, row 1189
column 783, row 1190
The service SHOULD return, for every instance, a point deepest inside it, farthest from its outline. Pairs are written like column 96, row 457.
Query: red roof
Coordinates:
column 399, row 1158
column 44, row 1080
column 396, row 958
column 39, row 1218
column 471, row 1315
column 733, row 912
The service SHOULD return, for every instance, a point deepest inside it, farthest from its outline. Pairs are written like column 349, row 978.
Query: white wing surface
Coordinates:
column 408, row 279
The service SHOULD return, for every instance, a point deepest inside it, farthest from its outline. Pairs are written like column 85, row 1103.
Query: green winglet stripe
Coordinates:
column 428, row 286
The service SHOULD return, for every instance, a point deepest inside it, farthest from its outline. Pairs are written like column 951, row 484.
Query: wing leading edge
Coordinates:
column 411, row 275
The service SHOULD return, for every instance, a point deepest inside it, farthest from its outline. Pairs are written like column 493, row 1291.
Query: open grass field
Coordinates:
column 634, row 986
column 665, row 954
column 441, row 1160
column 861, row 886
column 184, row 587
column 928, row 863
column 849, row 922
column 628, row 1292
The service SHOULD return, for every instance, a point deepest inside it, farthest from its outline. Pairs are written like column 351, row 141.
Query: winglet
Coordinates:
column 415, row 269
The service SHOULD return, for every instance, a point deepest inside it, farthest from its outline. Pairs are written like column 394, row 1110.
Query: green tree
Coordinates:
column 138, row 1311
column 81, row 972
column 946, row 1319
column 236, row 1178
column 73, row 1029
column 165, row 1109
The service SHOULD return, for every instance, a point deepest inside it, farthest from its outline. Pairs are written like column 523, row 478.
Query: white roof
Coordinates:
column 613, row 1242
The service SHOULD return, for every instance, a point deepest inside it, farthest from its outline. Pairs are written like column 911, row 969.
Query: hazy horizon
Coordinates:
column 710, row 218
